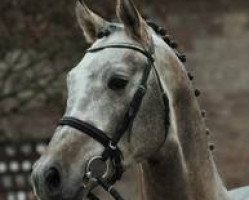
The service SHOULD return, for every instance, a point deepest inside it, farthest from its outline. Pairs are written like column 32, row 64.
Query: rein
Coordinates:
column 112, row 151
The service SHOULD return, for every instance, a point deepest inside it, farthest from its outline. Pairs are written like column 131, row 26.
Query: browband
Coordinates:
column 148, row 54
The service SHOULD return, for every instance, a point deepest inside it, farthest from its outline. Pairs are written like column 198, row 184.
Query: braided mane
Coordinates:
column 168, row 39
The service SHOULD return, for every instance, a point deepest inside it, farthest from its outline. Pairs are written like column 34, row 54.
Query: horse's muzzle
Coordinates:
column 47, row 181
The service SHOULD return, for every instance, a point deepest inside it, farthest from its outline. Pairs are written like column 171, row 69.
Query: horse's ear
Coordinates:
column 135, row 25
column 90, row 23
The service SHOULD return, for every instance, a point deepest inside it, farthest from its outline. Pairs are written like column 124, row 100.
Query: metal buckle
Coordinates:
column 94, row 175
column 113, row 147
column 142, row 89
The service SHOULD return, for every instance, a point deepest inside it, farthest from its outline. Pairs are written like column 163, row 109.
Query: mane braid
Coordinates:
column 168, row 39
column 182, row 57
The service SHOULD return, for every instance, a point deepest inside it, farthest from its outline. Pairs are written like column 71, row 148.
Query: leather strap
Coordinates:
column 131, row 113
column 86, row 128
column 148, row 54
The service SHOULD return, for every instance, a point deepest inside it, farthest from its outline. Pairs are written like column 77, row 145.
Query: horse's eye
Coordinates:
column 117, row 83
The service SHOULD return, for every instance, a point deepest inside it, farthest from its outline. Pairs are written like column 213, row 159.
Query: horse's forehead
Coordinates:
column 118, row 54
column 111, row 59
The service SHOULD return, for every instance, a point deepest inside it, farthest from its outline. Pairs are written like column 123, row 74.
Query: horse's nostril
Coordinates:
column 53, row 180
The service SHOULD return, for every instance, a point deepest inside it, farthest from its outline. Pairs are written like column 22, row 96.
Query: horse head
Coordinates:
column 123, row 58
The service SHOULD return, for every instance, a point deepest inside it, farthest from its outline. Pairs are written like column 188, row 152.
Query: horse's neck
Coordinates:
column 184, row 168
column 170, row 176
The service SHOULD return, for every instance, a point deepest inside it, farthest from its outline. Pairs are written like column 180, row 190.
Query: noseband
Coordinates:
column 112, row 151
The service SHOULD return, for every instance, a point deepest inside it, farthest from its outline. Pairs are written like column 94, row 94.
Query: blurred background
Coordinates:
column 40, row 42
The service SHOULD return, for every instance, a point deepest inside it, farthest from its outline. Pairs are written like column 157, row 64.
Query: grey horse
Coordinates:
column 178, row 167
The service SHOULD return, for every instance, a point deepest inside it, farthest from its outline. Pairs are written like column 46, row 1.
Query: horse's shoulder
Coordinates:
column 241, row 193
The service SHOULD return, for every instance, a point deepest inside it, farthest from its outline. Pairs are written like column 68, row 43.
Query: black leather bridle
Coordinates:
column 112, row 151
